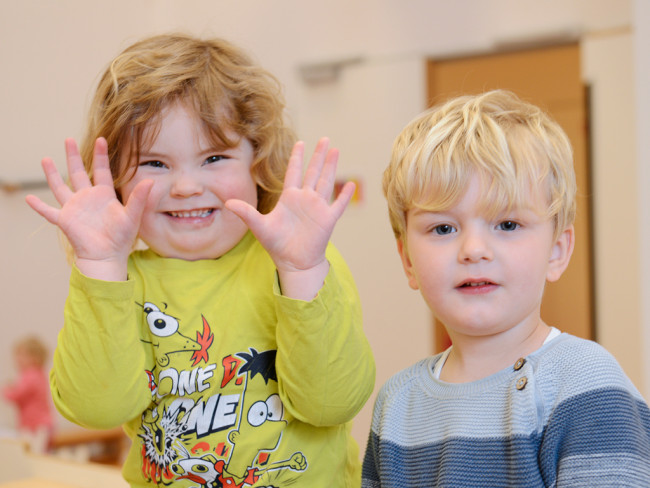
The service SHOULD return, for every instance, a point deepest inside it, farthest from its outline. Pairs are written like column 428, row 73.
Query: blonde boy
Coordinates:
column 481, row 195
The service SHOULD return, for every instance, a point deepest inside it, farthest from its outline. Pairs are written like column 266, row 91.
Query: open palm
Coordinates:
column 99, row 228
column 296, row 232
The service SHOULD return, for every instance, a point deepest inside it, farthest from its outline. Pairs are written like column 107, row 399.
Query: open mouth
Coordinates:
column 187, row 214
column 472, row 284
column 477, row 286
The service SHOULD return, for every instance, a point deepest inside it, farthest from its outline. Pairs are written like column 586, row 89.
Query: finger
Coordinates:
column 101, row 165
column 245, row 211
column 342, row 199
column 60, row 190
column 327, row 178
column 316, row 163
column 76, row 171
column 293, row 175
column 137, row 200
column 50, row 214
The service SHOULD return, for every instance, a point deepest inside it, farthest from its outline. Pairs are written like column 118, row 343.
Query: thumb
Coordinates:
column 245, row 211
column 138, row 200
column 50, row 214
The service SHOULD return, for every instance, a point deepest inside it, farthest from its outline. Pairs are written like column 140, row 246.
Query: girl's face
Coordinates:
column 185, row 217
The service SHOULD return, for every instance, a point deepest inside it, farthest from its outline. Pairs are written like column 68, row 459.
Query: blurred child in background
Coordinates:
column 31, row 393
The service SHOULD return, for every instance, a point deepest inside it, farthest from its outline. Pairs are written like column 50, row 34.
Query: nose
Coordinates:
column 475, row 246
column 185, row 184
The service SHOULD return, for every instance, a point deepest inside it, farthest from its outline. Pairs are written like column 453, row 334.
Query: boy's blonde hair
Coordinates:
column 218, row 81
column 512, row 146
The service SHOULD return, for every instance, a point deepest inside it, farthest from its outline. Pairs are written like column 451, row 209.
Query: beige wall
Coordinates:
column 608, row 68
column 642, row 130
column 52, row 53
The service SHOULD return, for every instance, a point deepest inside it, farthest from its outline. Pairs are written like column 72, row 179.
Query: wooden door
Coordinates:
column 550, row 78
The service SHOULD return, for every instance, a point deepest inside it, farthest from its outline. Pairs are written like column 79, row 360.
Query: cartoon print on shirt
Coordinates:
column 171, row 432
column 161, row 435
column 196, row 469
column 164, row 435
column 259, row 419
column 175, row 372
column 169, row 343
column 164, row 330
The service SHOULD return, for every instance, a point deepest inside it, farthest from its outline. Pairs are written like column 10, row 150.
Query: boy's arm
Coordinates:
column 325, row 367
column 598, row 435
column 98, row 375
column 603, row 442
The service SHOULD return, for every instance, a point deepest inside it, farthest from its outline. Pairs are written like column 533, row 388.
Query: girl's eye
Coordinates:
column 444, row 229
column 153, row 164
column 508, row 225
column 214, row 159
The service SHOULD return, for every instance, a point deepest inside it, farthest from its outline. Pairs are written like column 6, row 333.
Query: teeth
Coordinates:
column 477, row 284
column 192, row 213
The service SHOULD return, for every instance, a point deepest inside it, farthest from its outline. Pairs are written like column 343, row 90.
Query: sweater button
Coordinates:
column 521, row 383
column 519, row 364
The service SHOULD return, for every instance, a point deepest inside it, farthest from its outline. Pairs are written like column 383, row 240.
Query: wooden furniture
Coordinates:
column 98, row 446
column 22, row 469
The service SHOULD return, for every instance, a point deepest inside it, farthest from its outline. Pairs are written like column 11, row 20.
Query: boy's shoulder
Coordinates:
column 573, row 352
column 408, row 378
column 574, row 365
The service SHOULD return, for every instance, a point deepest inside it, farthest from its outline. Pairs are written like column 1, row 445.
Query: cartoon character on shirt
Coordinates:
column 171, row 348
column 178, row 372
column 259, row 419
column 253, row 441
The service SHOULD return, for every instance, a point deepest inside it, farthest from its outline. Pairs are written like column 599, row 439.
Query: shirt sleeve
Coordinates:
column 325, row 367
column 97, row 379
column 600, row 436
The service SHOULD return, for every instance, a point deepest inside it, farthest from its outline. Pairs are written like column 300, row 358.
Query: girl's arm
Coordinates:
column 325, row 367
column 98, row 378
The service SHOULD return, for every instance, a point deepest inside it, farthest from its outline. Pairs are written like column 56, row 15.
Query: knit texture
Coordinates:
column 577, row 421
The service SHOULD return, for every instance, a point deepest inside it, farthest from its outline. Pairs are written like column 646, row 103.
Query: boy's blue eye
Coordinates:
column 508, row 225
column 444, row 229
column 214, row 159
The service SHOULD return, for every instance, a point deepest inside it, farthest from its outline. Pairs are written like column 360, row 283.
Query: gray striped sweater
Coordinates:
column 569, row 417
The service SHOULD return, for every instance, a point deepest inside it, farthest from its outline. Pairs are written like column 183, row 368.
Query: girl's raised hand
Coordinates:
column 296, row 232
column 100, row 229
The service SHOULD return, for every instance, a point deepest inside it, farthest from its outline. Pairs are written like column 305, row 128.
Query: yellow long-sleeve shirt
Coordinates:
column 218, row 379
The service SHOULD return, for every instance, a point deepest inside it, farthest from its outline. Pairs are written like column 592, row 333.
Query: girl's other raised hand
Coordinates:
column 100, row 229
column 296, row 232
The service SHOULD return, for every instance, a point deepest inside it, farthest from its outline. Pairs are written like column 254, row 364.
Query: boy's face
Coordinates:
column 185, row 216
column 483, row 276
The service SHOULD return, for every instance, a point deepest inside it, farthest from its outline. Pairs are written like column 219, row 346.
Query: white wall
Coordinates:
column 53, row 51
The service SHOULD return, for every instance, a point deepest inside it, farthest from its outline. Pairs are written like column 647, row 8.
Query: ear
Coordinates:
column 406, row 263
column 560, row 254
